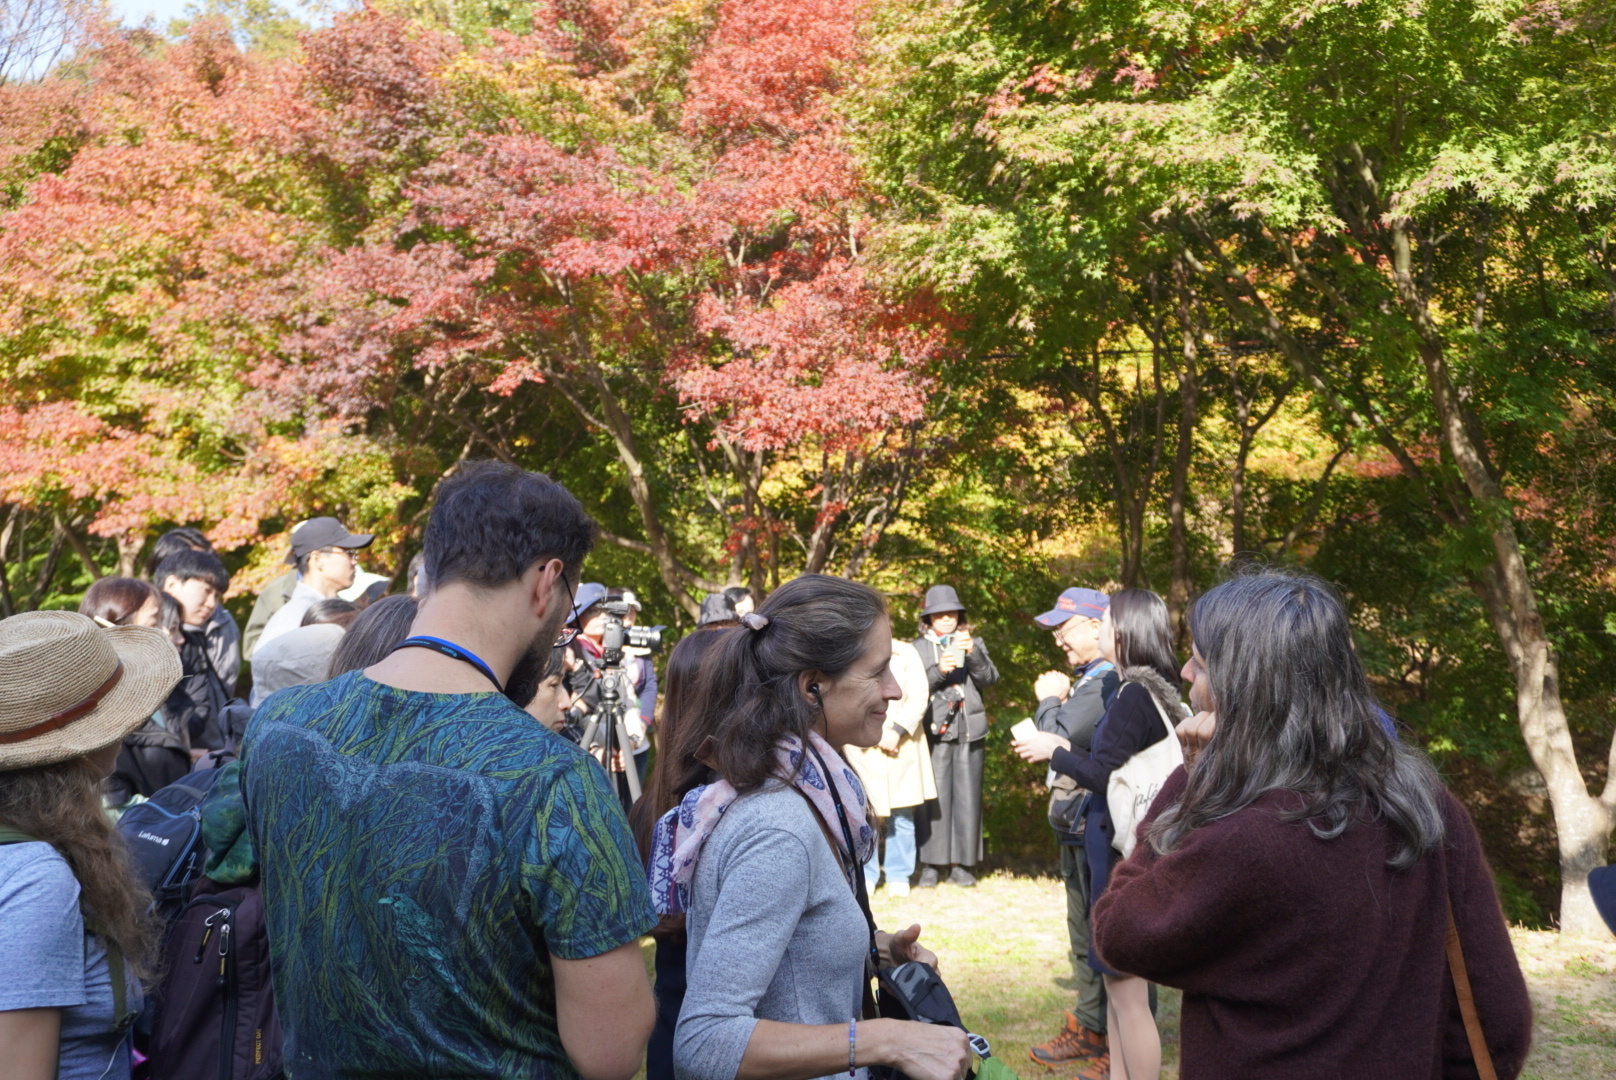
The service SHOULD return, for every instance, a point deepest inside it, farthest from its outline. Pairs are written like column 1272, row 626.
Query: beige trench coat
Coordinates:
column 904, row 780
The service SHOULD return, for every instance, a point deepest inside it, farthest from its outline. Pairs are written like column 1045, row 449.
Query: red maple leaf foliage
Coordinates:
column 748, row 218
column 827, row 357
column 241, row 263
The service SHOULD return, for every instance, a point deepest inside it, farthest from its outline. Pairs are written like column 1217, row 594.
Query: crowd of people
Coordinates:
column 455, row 878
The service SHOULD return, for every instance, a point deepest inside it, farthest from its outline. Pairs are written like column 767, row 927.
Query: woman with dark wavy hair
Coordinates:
column 1136, row 636
column 677, row 771
column 1300, row 882
column 765, row 853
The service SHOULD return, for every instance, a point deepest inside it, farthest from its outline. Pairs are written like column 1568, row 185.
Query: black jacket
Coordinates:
column 196, row 703
column 1131, row 723
column 957, row 696
column 151, row 758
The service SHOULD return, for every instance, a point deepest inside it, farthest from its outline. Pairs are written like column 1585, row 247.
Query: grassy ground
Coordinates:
column 1003, row 950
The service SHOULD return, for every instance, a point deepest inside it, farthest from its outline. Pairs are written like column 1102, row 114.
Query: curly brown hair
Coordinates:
column 60, row 804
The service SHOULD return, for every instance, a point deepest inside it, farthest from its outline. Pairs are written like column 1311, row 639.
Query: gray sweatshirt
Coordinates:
column 775, row 934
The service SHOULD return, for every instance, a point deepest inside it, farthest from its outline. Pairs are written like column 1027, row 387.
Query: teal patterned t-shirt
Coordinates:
column 423, row 857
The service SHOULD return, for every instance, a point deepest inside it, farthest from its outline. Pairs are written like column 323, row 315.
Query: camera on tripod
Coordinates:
column 618, row 636
column 607, row 729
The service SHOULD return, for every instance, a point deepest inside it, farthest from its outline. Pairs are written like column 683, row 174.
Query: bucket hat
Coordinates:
column 940, row 598
column 69, row 687
column 716, row 608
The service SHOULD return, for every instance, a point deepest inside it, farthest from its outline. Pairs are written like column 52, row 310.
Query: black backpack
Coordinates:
column 215, row 1016
column 164, row 837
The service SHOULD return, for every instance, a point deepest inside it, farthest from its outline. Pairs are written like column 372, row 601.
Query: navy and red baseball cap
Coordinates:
column 1089, row 603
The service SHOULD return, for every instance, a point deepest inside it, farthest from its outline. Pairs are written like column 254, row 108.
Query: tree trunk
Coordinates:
column 129, row 545
column 1237, row 498
column 1178, row 589
column 1582, row 822
column 47, row 570
column 8, row 606
column 615, row 422
column 1125, row 482
column 80, row 548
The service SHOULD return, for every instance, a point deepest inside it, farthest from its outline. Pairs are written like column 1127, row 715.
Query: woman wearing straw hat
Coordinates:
column 73, row 933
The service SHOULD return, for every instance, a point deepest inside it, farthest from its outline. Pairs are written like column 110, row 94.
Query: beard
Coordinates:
column 523, row 684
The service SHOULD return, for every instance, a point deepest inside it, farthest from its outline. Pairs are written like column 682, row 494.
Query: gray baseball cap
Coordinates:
column 324, row 532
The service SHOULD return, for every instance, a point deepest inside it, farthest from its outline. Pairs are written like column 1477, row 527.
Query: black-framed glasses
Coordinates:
column 568, row 632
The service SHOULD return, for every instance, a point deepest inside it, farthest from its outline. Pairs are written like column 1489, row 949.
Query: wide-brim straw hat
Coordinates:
column 68, row 687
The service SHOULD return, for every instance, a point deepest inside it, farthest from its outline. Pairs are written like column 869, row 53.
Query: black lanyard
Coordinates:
column 450, row 649
column 860, row 889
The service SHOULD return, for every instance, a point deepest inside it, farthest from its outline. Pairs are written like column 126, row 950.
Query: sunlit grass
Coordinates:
column 1003, row 950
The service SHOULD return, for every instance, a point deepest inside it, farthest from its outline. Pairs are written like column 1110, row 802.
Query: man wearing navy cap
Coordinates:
column 1071, row 706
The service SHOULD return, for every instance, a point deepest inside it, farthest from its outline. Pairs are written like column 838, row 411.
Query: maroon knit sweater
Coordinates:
column 1306, row 959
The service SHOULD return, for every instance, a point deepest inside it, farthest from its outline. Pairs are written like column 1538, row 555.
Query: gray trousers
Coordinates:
column 1090, row 1006
column 950, row 829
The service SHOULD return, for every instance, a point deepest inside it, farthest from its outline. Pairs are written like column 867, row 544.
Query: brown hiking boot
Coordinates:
column 1074, row 1043
column 1095, row 1069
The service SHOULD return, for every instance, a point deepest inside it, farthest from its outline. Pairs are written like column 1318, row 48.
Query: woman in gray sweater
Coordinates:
column 763, row 848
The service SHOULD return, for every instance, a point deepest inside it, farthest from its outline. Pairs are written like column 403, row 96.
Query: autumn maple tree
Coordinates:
column 340, row 261
column 705, row 244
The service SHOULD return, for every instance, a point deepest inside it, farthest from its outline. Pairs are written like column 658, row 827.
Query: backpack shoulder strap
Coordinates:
column 121, row 1017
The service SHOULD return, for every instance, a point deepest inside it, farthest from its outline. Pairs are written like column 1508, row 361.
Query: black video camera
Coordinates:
column 617, row 635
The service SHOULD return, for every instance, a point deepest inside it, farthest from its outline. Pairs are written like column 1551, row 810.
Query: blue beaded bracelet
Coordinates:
column 852, row 1045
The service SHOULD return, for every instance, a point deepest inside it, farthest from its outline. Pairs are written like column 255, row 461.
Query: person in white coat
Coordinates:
column 897, row 773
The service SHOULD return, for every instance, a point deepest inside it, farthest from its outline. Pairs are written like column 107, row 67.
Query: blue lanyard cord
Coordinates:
column 450, row 649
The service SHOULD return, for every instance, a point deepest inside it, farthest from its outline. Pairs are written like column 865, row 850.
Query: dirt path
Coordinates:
column 1004, row 953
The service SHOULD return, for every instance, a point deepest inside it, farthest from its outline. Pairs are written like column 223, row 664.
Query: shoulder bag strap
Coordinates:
column 1467, row 1001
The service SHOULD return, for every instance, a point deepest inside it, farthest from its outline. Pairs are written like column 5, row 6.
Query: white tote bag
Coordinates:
column 1136, row 782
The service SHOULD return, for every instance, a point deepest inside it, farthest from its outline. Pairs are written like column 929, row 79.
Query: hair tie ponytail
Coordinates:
column 754, row 622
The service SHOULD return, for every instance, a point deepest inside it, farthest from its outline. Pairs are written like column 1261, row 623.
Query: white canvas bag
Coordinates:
column 1136, row 782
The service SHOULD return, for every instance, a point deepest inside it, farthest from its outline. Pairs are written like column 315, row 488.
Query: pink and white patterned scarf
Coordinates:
column 681, row 832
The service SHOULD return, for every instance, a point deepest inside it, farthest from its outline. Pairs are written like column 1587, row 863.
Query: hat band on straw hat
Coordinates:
column 67, row 716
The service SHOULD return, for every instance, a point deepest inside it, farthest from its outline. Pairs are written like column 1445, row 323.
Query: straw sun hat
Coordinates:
column 68, row 687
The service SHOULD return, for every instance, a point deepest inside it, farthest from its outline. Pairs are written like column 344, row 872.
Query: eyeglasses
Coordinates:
column 568, row 632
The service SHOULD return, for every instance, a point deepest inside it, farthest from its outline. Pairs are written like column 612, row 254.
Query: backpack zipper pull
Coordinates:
column 224, row 949
column 207, row 932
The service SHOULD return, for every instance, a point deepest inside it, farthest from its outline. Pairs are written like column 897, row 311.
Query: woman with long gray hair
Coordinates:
column 1309, row 883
